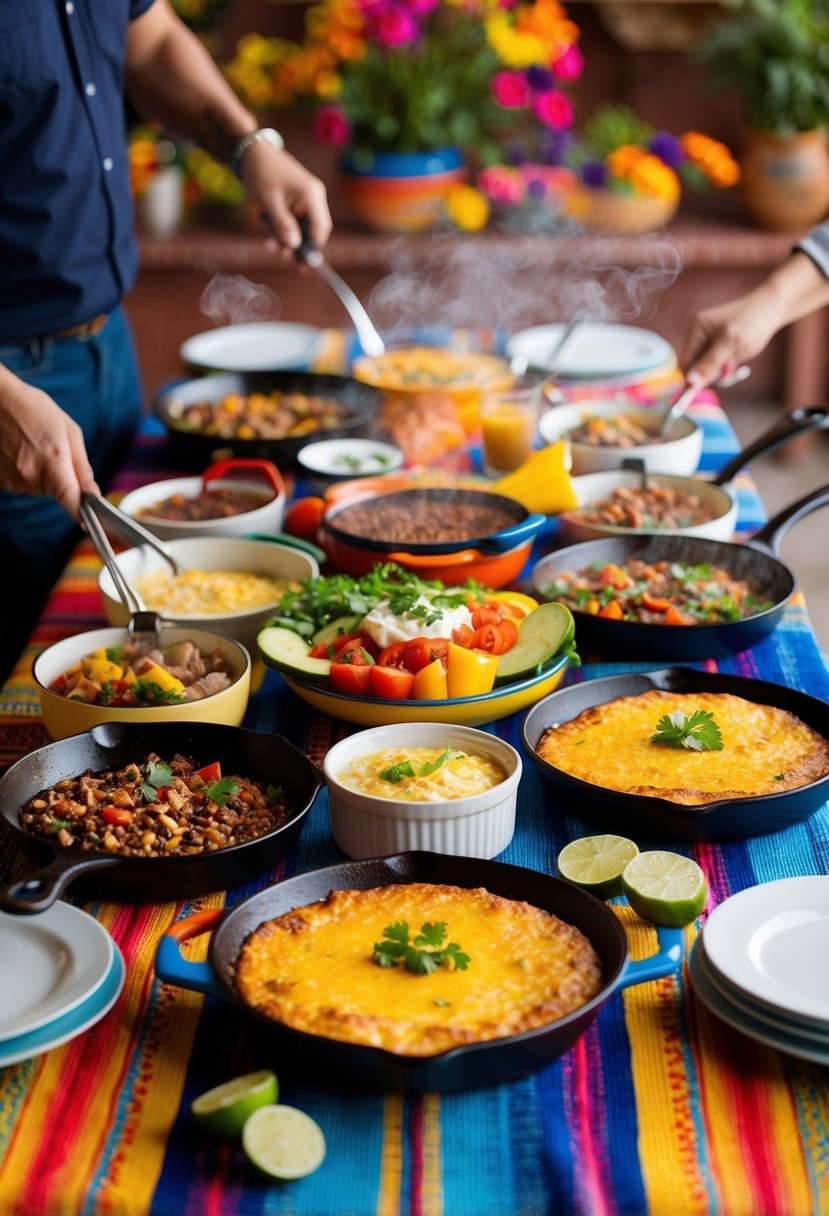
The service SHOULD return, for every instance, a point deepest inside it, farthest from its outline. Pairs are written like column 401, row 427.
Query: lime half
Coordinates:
column 596, row 863
column 283, row 1142
column 665, row 888
column 224, row 1110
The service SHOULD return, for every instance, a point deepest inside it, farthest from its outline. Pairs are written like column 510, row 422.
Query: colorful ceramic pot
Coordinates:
column 622, row 213
column 784, row 180
column 400, row 191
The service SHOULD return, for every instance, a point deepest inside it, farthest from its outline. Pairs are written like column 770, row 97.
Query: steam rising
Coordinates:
column 473, row 282
column 231, row 299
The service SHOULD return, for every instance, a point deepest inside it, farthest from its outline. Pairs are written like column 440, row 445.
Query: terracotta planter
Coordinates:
column 399, row 191
column 784, row 181
column 622, row 213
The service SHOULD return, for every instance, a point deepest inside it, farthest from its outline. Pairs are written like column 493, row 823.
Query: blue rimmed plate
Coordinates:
column 70, row 1025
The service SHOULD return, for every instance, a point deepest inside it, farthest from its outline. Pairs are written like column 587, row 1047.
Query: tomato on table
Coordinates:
column 303, row 518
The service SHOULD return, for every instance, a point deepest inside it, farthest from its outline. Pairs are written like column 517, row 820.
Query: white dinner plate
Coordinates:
column 736, row 1017
column 49, row 964
column 594, row 351
column 775, row 1021
column 772, row 943
column 70, row 1025
column 257, row 346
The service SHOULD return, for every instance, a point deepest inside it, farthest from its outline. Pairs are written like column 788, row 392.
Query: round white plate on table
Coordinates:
column 70, row 1025
column 594, row 350
column 740, row 1019
column 49, row 964
column 256, row 346
column 771, row 942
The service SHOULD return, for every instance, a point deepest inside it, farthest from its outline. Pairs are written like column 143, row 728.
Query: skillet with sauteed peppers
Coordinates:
column 155, row 809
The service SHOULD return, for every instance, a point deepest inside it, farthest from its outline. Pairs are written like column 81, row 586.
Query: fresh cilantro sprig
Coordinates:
column 157, row 776
column 422, row 955
column 147, row 692
column 405, row 768
column 697, row 733
column 221, row 790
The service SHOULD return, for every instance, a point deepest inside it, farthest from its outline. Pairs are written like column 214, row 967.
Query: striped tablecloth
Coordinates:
column 658, row 1108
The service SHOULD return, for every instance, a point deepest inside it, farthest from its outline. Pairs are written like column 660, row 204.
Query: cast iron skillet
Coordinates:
column 522, row 529
column 270, row 758
column 639, row 815
column 362, row 403
column 755, row 560
column 466, row 1067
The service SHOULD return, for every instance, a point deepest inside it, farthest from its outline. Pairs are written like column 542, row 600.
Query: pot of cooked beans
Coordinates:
column 674, row 597
column 145, row 813
column 265, row 415
column 628, row 502
column 440, row 532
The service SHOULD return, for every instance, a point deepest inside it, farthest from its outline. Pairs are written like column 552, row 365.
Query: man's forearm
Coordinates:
column 171, row 78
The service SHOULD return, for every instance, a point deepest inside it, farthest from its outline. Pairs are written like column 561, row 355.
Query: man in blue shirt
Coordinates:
column 69, row 392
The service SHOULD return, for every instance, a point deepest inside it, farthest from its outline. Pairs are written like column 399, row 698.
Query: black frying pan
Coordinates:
column 755, row 560
column 269, row 758
column 360, row 401
column 639, row 815
column 466, row 1067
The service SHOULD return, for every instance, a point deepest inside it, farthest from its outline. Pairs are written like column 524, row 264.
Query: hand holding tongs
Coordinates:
column 690, row 391
column 308, row 253
column 143, row 626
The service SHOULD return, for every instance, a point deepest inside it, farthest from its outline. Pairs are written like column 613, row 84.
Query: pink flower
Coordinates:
column 510, row 89
column 502, row 184
column 331, row 126
column 421, row 8
column 554, row 109
column 391, row 25
column 569, row 65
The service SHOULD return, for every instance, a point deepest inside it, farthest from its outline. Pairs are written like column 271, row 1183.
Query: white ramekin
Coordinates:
column 365, row 825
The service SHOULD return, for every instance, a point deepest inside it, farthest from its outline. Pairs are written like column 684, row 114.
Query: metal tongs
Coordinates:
column 688, row 394
column 308, row 253
column 143, row 626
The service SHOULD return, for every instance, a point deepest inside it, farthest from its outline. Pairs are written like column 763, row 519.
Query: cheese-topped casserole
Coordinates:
column 765, row 749
column 407, row 774
column 313, row 969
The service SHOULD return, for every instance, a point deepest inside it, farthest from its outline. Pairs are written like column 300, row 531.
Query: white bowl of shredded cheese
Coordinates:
column 229, row 585
column 422, row 785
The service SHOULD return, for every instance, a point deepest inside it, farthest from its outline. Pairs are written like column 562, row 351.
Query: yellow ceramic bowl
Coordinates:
column 456, row 711
column 63, row 717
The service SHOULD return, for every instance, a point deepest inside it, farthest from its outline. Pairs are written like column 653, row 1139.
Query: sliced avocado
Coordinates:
column 290, row 654
column 543, row 633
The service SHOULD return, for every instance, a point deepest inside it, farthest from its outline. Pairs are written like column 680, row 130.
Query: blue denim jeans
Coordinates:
column 95, row 380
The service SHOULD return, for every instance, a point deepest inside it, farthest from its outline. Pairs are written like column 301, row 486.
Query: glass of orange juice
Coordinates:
column 508, row 425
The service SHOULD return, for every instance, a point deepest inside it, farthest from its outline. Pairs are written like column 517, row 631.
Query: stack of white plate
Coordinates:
column 595, row 352
column 760, row 964
column 60, row 972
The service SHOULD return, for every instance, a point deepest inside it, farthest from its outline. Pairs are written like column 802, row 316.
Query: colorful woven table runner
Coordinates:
column 658, row 1108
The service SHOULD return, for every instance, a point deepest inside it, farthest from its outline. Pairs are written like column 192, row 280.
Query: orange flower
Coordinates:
column 650, row 175
column 621, row 162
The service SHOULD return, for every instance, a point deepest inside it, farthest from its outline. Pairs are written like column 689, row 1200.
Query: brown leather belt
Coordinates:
column 87, row 329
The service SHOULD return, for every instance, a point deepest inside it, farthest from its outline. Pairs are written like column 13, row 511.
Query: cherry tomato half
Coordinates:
column 391, row 683
column 485, row 616
column 392, row 656
column 210, row 773
column 351, row 678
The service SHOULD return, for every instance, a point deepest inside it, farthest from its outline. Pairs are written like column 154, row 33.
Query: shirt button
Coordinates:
column 70, row 8
column 90, row 89
column 108, row 162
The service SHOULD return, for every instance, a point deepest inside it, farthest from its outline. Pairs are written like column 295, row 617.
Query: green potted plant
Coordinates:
column 775, row 53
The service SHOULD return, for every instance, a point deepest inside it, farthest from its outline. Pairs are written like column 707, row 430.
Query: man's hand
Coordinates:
column 286, row 192
column 42, row 449
column 727, row 335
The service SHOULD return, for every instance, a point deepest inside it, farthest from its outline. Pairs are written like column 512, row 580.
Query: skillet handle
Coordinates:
column 463, row 557
column 171, row 968
column 665, row 962
column 798, row 422
column 37, row 893
column 290, row 542
column 509, row 538
column 768, row 539
column 266, row 469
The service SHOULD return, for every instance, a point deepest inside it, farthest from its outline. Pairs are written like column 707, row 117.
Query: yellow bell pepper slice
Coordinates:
column 430, row 683
column 542, row 483
column 157, row 675
column 469, row 672
column 523, row 604
column 102, row 670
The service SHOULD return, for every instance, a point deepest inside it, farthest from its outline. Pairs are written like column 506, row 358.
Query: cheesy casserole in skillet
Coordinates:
column 313, row 969
column 765, row 749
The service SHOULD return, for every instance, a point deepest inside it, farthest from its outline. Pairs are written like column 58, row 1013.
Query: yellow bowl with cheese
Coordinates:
column 422, row 785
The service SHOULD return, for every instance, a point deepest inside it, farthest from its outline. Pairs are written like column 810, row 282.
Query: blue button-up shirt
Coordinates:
column 67, row 251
